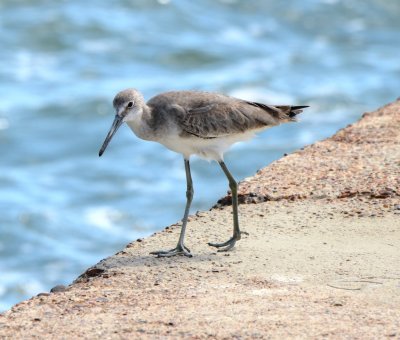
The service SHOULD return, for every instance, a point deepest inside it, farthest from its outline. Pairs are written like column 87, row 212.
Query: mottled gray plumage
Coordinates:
column 200, row 123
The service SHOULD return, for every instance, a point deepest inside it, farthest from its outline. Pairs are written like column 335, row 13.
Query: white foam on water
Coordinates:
column 102, row 217
column 98, row 46
column 4, row 124
column 2, row 290
column 30, row 66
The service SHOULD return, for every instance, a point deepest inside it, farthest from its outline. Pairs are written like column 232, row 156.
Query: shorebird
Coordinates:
column 197, row 123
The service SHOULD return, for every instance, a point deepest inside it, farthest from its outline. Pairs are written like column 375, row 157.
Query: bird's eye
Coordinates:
column 130, row 104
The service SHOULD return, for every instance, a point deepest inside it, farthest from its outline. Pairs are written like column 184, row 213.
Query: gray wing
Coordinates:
column 222, row 119
column 212, row 115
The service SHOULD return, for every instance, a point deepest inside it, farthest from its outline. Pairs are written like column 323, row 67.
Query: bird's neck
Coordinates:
column 140, row 124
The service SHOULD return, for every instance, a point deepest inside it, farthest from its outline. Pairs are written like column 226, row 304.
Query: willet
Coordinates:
column 197, row 123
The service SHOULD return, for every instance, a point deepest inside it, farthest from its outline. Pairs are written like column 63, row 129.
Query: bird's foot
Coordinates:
column 178, row 250
column 228, row 245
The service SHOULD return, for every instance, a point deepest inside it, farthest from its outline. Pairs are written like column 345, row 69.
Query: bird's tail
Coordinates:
column 295, row 110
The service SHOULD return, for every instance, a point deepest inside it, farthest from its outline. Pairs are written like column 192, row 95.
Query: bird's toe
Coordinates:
column 179, row 250
column 225, row 246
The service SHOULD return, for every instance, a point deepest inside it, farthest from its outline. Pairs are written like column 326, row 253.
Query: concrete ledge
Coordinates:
column 322, row 258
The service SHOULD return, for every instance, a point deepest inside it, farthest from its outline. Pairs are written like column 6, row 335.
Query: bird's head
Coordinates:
column 128, row 104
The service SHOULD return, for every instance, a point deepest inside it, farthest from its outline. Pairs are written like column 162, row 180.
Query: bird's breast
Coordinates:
column 141, row 129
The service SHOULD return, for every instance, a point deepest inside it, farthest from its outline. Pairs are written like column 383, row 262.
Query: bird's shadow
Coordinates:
column 123, row 259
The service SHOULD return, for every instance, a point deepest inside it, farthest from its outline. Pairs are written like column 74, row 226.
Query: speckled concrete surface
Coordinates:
column 322, row 258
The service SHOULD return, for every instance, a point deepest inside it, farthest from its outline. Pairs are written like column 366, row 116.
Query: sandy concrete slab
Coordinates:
column 322, row 258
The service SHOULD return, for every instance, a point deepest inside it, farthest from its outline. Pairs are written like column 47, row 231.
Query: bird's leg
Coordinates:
column 181, row 249
column 225, row 246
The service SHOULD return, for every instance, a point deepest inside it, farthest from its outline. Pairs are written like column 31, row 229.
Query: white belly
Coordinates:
column 209, row 149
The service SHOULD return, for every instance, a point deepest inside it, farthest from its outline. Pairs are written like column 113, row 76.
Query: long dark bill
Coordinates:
column 114, row 127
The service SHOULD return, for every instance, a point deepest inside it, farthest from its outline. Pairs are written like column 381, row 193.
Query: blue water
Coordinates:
column 63, row 208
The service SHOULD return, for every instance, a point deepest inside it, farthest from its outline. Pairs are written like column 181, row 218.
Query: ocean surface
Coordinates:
column 62, row 208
